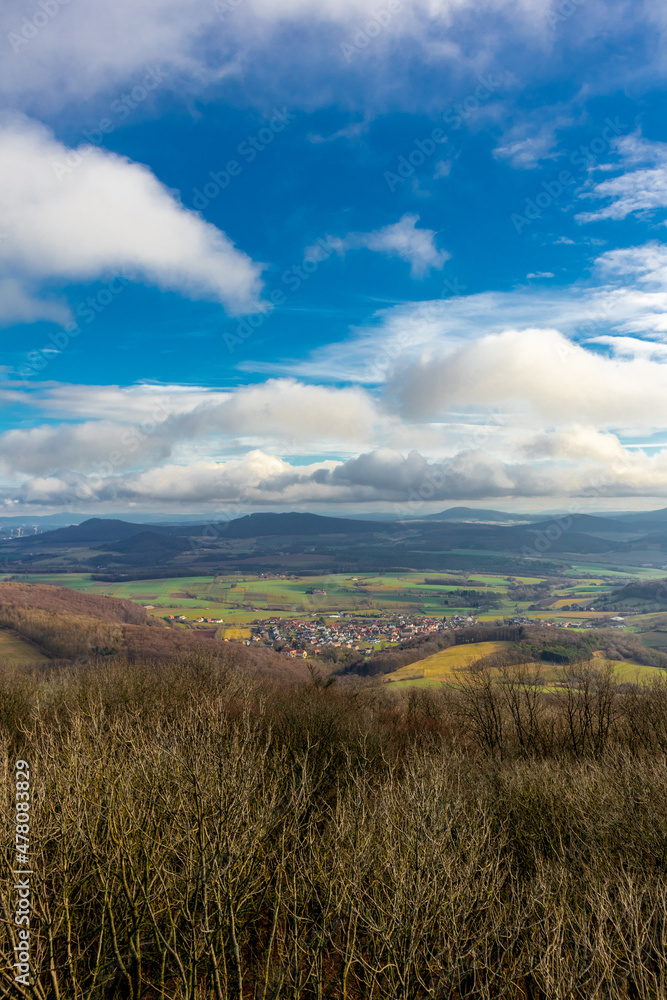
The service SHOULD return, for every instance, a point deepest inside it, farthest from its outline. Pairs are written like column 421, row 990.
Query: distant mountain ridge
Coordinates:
column 106, row 530
column 295, row 523
column 96, row 529
column 478, row 514
column 148, row 543
column 457, row 538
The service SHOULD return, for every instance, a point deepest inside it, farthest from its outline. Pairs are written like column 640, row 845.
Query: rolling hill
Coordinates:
column 478, row 514
column 294, row 523
column 148, row 543
column 70, row 625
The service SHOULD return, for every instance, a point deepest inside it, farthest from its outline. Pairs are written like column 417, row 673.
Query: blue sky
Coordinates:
column 332, row 256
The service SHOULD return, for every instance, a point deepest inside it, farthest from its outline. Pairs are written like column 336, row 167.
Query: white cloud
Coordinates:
column 526, row 144
column 632, row 347
column 576, row 461
column 20, row 303
column 84, row 447
column 540, row 373
column 540, row 274
column 71, row 216
column 400, row 239
column 636, row 190
column 626, row 296
column 130, row 427
column 287, row 410
column 88, row 52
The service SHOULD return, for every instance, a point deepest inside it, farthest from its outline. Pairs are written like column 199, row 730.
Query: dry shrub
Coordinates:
column 198, row 833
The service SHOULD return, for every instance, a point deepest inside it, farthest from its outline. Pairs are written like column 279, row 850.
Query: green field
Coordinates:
column 239, row 599
column 14, row 652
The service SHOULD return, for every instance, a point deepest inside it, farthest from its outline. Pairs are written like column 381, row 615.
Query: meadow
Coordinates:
column 14, row 651
column 237, row 594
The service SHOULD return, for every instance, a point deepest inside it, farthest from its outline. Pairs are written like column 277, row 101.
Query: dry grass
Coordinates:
column 446, row 665
column 14, row 652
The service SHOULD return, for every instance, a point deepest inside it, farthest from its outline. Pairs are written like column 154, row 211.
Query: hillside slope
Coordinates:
column 70, row 625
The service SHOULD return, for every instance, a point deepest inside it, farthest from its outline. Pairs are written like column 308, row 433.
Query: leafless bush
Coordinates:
column 198, row 834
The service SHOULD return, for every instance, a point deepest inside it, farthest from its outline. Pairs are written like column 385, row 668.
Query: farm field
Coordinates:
column 446, row 667
column 14, row 652
column 239, row 599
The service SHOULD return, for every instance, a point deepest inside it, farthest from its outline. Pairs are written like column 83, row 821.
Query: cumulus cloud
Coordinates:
column 83, row 447
column 140, row 425
column 76, row 215
column 288, row 409
column 627, row 296
column 400, row 239
column 539, row 372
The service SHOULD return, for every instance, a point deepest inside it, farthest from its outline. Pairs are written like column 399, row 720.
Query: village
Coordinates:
column 349, row 631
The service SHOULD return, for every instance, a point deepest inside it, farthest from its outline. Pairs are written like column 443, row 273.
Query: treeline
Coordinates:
column 195, row 834
column 553, row 645
column 613, row 644
column 67, row 601
column 530, row 592
column 63, row 636
column 470, row 598
column 617, row 645
column 145, row 573
column 650, row 594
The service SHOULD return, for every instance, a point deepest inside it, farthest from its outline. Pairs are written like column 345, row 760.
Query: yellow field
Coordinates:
column 444, row 666
column 14, row 652
column 235, row 633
